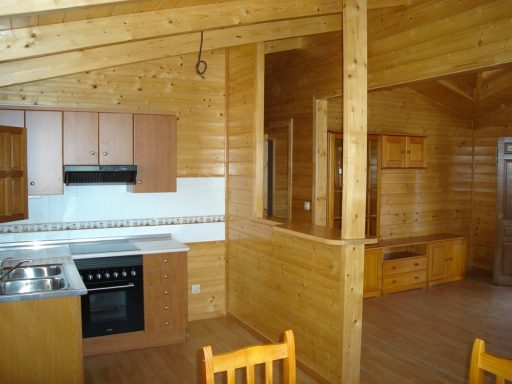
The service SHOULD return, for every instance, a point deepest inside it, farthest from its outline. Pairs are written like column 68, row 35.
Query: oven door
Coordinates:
column 111, row 308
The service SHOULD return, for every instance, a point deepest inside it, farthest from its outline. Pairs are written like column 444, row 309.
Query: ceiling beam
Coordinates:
column 283, row 45
column 454, row 87
column 24, row 43
column 497, row 84
column 47, row 67
column 22, row 7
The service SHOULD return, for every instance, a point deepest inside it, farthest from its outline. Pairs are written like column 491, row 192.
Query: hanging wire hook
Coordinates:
column 201, row 65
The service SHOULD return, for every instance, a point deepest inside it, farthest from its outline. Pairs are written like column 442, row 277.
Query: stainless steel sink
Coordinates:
column 36, row 271
column 13, row 287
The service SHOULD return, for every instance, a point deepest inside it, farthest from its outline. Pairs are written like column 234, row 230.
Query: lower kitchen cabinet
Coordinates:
column 447, row 261
column 165, row 307
column 41, row 341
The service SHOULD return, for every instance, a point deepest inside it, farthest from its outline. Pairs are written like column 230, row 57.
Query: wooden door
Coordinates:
column 502, row 268
column 115, row 138
column 80, row 138
column 437, row 252
column 13, row 178
column 44, row 152
column 393, row 151
column 416, row 152
column 372, row 281
column 154, row 152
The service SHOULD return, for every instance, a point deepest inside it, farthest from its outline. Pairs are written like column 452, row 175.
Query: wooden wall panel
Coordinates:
column 430, row 39
column 483, row 225
column 292, row 79
column 436, row 199
column 167, row 85
column 279, row 135
column 207, row 267
column 278, row 281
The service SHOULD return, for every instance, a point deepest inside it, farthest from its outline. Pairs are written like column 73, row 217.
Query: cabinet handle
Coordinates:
column 166, row 292
column 139, row 181
column 105, row 153
column 92, row 153
column 166, row 276
column 32, row 183
column 166, row 308
column 165, row 260
column 167, row 323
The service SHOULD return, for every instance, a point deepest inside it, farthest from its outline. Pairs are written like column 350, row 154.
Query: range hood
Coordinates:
column 99, row 174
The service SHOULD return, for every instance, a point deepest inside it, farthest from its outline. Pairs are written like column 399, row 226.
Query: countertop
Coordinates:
column 58, row 252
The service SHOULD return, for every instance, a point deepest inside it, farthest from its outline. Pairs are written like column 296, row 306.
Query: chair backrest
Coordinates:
column 249, row 357
column 482, row 361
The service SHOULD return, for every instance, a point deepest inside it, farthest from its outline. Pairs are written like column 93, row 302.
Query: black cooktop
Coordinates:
column 101, row 247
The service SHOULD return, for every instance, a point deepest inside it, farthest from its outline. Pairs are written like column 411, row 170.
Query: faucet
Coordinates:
column 4, row 275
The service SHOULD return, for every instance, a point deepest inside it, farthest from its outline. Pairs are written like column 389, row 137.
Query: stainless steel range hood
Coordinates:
column 99, row 174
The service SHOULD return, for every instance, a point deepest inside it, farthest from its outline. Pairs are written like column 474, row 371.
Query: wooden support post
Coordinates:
column 259, row 130
column 320, row 163
column 354, row 184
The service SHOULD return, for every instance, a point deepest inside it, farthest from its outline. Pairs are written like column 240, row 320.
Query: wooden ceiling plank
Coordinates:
column 497, row 84
column 454, row 87
column 23, row 7
column 283, row 45
column 29, row 70
column 65, row 37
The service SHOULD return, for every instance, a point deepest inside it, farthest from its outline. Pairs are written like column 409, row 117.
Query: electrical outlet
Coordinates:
column 196, row 288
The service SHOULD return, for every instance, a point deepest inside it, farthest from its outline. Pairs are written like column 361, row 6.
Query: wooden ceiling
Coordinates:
column 473, row 95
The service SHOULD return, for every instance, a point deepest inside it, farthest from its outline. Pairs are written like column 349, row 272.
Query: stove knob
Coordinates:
column 115, row 275
column 124, row 274
column 107, row 275
column 133, row 273
column 90, row 277
column 98, row 276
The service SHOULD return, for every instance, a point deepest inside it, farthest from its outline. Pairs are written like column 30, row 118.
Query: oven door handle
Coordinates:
column 131, row 285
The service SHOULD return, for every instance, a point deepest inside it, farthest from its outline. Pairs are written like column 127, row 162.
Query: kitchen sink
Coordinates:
column 13, row 287
column 36, row 271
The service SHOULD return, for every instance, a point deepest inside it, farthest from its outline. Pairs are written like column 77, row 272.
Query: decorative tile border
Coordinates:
column 45, row 227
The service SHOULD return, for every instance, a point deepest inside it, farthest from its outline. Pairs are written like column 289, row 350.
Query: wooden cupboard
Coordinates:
column 44, row 152
column 154, row 152
column 335, row 183
column 447, row 261
column 372, row 283
column 97, row 138
column 414, row 262
column 13, row 174
column 42, row 341
column 403, row 151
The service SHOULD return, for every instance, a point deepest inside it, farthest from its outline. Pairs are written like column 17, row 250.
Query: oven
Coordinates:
column 115, row 301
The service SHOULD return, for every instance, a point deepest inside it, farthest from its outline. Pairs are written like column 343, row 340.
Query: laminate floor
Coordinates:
column 425, row 336
column 415, row 337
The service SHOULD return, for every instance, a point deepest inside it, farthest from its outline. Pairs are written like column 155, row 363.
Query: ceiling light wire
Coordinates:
column 201, row 65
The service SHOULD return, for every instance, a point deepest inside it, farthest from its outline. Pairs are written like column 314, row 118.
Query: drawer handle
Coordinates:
column 165, row 260
column 166, row 308
column 166, row 292
column 166, row 277
column 167, row 323
column 92, row 153
column 105, row 153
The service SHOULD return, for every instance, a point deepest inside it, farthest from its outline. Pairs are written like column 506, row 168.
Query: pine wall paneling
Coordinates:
column 167, row 85
column 207, row 267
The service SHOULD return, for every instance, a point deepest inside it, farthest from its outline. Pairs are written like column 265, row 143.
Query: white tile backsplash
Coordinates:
column 194, row 197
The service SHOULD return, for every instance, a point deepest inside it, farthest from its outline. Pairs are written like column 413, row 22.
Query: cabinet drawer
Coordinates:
column 395, row 282
column 392, row 267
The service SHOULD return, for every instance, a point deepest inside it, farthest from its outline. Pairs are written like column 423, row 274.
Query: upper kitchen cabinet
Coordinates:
column 13, row 178
column 154, row 152
column 92, row 138
column 44, row 152
column 403, row 151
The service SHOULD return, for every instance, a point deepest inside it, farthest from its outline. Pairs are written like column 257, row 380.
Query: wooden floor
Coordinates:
column 421, row 336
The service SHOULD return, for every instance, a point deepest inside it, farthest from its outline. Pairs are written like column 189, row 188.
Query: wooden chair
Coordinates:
column 482, row 361
column 248, row 357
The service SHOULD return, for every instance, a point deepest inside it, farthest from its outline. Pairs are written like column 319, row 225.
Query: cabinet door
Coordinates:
column 437, row 255
column 372, row 281
column 44, row 152
column 115, row 138
column 416, row 152
column 154, row 152
column 13, row 178
column 80, row 138
column 456, row 258
column 393, row 151
column 12, row 118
